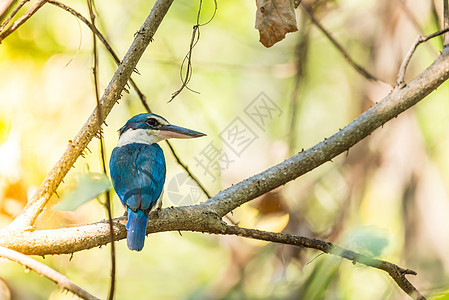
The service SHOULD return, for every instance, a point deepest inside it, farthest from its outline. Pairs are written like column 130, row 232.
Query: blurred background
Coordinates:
column 385, row 197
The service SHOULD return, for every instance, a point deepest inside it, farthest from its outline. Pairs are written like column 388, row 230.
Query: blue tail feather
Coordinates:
column 136, row 226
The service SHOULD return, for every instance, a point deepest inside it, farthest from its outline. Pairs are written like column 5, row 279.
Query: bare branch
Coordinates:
column 188, row 58
column 16, row 10
column 396, row 272
column 133, row 85
column 6, row 5
column 301, row 53
column 188, row 218
column 21, row 20
column 419, row 39
column 111, row 95
column 63, row 282
column 416, row 24
column 337, row 45
column 399, row 100
column 107, row 194
column 206, row 217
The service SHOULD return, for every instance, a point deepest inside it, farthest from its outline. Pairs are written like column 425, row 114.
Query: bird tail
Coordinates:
column 137, row 227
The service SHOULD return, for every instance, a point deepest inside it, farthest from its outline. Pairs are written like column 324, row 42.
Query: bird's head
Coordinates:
column 150, row 128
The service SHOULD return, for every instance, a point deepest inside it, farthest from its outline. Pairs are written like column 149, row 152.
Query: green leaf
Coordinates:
column 90, row 186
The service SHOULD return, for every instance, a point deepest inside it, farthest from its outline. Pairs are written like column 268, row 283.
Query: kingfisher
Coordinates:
column 137, row 168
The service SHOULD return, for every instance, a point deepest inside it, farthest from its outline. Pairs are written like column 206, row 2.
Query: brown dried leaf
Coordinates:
column 274, row 19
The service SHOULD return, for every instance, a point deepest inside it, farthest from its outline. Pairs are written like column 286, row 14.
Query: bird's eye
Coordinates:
column 152, row 122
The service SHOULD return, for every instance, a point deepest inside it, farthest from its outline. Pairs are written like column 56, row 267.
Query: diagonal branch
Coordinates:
column 337, row 45
column 405, row 62
column 13, row 13
column 399, row 100
column 395, row 272
column 141, row 96
column 21, row 20
column 206, row 217
column 188, row 218
column 111, row 95
column 63, row 282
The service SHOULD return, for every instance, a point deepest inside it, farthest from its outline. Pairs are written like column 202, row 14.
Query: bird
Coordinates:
column 137, row 168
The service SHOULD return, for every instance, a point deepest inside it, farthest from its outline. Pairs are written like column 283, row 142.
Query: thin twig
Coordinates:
column 62, row 281
column 186, row 168
column 100, row 37
column 419, row 39
column 141, row 96
column 22, row 20
column 397, row 273
column 110, row 97
column 399, row 100
column 5, row 5
column 194, row 218
column 188, row 58
column 301, row 52
column 107, row 194
column 415, row 23
column 337, row 45
column 16, row 10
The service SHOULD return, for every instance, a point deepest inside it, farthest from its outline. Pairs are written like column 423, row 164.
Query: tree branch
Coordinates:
column 337, row 45
column 419, row 39
column 21, row 20
column 107, row 194
column 141, row 96
column 396, row 272
column 13, row 13
column 63, row 282
column 69, row 240
column 399, row 100
column 188, row 218
column 206, row 217
column 111, row 95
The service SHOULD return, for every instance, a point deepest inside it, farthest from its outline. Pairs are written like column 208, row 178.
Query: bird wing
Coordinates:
column 138, row 174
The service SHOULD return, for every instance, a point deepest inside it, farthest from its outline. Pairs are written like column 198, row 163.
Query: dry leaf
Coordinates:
column 274, row 19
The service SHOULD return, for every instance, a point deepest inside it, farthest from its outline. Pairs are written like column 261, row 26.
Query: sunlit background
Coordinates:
column 386, row 197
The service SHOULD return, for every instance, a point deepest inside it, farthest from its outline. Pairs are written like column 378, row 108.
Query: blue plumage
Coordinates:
column 137, row 168
column 138, row 175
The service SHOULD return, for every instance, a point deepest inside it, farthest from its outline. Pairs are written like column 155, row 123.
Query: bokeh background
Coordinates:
column 386, row 197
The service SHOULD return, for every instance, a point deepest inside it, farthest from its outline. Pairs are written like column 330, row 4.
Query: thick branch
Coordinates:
column 399, row 100
column 141, row 96
column 111, row 95
column 68, row 240
column 190, row 218
column 63, row 282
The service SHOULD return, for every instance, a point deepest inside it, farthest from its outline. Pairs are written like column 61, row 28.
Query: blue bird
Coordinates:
column 137, row 167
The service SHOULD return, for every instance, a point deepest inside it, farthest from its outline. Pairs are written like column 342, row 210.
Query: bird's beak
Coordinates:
column 172, row 131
